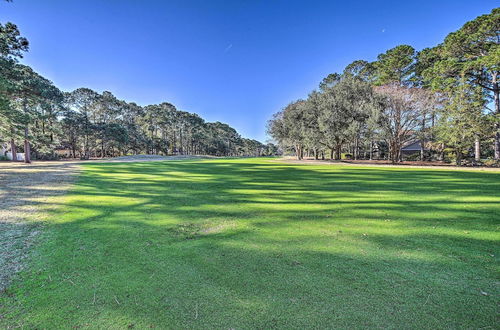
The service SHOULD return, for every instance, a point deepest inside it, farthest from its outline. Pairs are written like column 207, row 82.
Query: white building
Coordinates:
column 4, row 152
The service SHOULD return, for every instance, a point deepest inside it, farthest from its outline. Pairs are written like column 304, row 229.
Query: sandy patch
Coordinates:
column 26, row 192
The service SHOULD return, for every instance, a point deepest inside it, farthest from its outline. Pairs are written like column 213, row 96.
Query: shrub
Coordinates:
column 492, row 162
column 412, row 157
column 47, row 156
column 449, row 155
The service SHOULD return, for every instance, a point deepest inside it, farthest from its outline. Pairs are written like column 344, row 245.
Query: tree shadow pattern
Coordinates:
column 255, row 244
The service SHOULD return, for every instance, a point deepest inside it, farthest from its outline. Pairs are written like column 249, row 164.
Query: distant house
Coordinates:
column 413, row 147
column 4, row 151
column 63, row 152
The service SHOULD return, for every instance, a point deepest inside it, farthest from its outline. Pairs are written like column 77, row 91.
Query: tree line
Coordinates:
column 445, row 99
column 46, row 123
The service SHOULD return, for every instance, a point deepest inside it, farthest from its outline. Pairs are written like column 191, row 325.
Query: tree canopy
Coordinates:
column 438, row 98
column 84, row 123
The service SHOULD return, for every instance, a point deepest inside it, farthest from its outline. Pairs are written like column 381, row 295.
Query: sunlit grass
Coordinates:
column 258, row 244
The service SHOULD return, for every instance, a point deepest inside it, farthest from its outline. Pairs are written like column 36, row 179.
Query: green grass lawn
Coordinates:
column 248, row 243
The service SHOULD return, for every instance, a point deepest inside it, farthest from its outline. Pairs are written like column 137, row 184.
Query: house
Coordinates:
column 413, row 147
column 63, row 152
column 4, row 152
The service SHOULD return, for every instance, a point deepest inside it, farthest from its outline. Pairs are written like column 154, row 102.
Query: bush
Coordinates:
column 47, row 156
column 346, row 156
column 490, row 162
column 414, row 156
column 3, row 158
column 449, row 155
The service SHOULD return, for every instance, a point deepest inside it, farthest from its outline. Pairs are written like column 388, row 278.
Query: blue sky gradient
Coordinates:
column 233, row 61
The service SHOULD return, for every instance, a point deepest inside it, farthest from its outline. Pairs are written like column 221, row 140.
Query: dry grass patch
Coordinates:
column 26, row 195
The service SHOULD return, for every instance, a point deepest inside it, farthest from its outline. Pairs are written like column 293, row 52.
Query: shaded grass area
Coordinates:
column 257, row 244
column 23, row 190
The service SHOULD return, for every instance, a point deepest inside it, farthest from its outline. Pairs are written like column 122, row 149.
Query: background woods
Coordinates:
column 441, row 103
column 39, row 120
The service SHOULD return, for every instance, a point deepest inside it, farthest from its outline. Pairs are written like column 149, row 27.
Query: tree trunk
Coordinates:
column 392, row 151
column 27, row 151
column 459, row 158
column 356, row 147
column 331, row 153
column 397, row 151
column 371, row 149
column 477, row 149
column 338, row 152
column 181, row 151
column 422, row 140
column 13, row 150
column 496, row 96
column 85, row 147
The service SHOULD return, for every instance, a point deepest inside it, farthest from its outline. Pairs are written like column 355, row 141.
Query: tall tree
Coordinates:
column 361, row 69
column 286, row 127
column 400, row 116
column 341, row 105
column 85, row 102
column 12, row 46
column 462, row 121
column 473, row 52
column 33, row 93
column 396, row 66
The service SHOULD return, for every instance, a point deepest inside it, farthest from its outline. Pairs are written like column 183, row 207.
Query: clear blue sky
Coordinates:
column 233, row 61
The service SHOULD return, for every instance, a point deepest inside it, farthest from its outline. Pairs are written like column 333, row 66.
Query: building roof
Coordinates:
column 413, row 146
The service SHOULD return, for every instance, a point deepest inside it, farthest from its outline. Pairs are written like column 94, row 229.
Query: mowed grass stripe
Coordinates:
column 250, row 243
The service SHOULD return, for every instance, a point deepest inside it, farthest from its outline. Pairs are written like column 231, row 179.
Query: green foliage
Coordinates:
column 361, row 69
column 412, row 157
column 395, row 65
column 472, row 52
column 417, row 98
column 470, row 56
column 12, row 45
column 492, row 162
column 326, row 118
column 89, row 124
column 462, row 121
column 329, row 81
column 475, row 48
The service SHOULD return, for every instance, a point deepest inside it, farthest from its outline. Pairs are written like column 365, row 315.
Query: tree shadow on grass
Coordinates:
column 257, row 245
